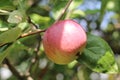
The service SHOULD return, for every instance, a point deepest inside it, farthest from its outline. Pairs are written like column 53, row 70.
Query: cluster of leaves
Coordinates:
column 21, row 49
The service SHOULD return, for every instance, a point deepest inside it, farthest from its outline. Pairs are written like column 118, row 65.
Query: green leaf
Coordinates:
column 77, row 13
column 16, row 16
column 57, row 5
column 18, row 49
column 10, row 35
column 43, row 21
column 30, row 41
column 75, row 4
column 92, row 11
column 23, row 25
column 98, row 56
column 58, row 8
column 3, row 54
column 7, row 4
column 117, row 6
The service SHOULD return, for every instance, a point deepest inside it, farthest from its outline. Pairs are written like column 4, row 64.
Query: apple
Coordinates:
column 63, row 40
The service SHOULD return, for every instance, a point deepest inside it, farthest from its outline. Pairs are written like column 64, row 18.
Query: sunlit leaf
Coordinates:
column 72, row 64
column 75, row 4
column 98, row 56
column 110, row 5
column 23, row 25
column 40, row 19
column 16, row 16
column 77, row 13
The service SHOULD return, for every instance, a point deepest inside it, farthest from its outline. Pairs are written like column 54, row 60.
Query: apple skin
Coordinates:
column 63, row 40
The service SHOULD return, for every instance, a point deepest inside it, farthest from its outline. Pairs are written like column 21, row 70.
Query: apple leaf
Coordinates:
column 75, row 4
column 3, row 53
column 16, row 16
column 10, row 35
column 7, row 5
column 98, row 56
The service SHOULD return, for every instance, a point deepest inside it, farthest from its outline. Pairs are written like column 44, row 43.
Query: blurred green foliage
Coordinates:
column 28, row 57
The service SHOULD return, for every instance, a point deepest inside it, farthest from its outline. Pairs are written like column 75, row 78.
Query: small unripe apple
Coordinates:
column 63, row 40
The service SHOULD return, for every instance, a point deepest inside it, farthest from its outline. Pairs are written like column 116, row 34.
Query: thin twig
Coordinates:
column 27, row 34
column 30, row 21
column 13, row 70
column 43, row 72
column 64, row 10
column 36, row 57
column 32, row 33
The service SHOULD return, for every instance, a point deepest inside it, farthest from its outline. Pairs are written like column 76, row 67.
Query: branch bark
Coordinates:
column 13, row 70
column 32, row 33
column 35, row 58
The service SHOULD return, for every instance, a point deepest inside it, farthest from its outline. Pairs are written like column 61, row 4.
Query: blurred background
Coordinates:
column 100, row 17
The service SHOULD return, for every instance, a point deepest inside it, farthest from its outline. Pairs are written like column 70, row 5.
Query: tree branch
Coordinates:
column 27, row 34
column 30, row 21
column 38, row 30
column 35, row 58
column 11, row 67
column 32, row 33
column 43, row 72
column 13, row 70
column 64, row 10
